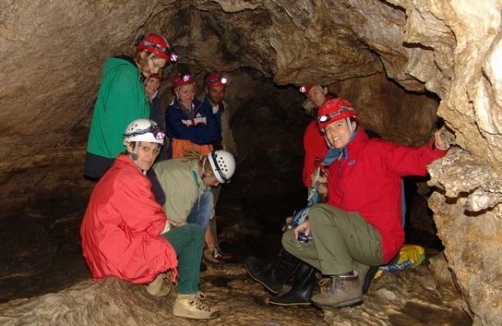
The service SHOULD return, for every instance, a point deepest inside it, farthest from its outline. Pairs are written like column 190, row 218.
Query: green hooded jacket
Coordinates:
column 121, row 99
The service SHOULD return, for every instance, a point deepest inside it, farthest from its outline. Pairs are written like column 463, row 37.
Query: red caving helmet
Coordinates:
column 215, row 79
column 305, row 89
column 181, row 79
column 157, row 45
column 334, row 110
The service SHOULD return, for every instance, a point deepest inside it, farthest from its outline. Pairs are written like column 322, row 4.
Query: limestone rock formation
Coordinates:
column 397, row 60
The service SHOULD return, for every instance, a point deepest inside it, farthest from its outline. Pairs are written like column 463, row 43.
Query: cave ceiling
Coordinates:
column 378, row 53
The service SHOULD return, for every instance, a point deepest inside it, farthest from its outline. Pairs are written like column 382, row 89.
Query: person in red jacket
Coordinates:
column 126, row 234
column 361, row 224
column 314, row 144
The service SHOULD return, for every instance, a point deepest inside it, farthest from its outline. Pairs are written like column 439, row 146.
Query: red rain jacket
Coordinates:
column 314, row 146
column 122, row 225
column 368, row 181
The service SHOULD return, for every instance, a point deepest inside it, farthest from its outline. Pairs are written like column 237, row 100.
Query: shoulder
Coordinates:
column 171, row 165
column 121, row 64
column 173, row 106
column 196, row 103
column 125, row 174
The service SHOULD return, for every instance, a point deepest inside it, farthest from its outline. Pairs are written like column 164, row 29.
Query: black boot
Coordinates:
column 274, row 277
column 301, row 292
column 368, row 277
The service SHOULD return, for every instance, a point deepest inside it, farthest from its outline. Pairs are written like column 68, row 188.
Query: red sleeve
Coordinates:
column 403, row 160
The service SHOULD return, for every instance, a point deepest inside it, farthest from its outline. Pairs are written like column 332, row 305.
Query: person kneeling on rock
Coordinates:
column 126, row 234
column 361, row 223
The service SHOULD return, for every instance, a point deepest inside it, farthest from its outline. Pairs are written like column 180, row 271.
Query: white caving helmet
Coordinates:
column 223, row 165
column 144, row 130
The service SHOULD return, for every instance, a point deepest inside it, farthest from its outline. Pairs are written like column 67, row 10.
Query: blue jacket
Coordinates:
column 184, row 124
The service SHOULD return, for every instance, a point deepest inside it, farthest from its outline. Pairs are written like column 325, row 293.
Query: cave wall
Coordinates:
column 395, row 59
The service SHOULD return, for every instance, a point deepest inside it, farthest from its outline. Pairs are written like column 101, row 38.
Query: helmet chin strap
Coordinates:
column 134, row 155
column 327, row 141
column 203, row 175
column 349, row 125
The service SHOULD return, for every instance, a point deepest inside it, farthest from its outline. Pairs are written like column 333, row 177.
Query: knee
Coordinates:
column 319, row 216
column 317, row 210
column 288, row 240
column 196, row 231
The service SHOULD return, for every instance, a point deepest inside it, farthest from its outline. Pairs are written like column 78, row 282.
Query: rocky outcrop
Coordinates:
column 467, row 214
column 397, row 60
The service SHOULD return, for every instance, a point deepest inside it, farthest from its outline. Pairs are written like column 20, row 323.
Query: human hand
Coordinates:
column 443, row 139
column 286, row 224
column 302, row 228
column 176, row 224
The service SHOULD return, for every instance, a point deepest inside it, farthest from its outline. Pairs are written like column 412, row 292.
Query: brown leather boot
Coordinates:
column 191, row 306
column 160, row 287
column 344, row 291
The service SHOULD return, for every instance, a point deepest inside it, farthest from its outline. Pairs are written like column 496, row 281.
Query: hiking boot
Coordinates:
column 191, row 306
column 160, row 287
column 301, row 292
column 366, row 275
column 344, row 291
column 276, row 276
column 325, row 284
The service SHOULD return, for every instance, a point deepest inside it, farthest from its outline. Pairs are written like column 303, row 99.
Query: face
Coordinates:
column 216, row 93
column 186, row 93
column 150, row 64
column 338, row 133
column 317, row 95
column 211, row 181
column 152, row 85
column 147, row 153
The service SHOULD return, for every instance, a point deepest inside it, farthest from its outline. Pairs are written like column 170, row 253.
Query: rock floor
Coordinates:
column 44, row 281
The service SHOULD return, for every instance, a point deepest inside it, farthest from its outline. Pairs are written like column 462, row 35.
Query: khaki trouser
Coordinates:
column 342, row 241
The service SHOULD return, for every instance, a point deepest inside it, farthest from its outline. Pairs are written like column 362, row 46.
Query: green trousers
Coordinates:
column 342, row 241
column 188, row 242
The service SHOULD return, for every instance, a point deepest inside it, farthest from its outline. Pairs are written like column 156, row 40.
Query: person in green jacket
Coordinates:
column 122, row 99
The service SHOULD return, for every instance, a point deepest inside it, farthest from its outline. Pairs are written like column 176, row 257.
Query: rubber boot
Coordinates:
column 367, row 274
column 301, row 292
column 368, row 277
column 274, row 277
